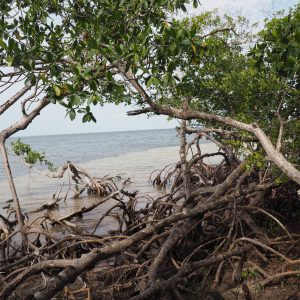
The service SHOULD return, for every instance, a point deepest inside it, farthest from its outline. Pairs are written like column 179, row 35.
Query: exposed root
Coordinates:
column 217, row 228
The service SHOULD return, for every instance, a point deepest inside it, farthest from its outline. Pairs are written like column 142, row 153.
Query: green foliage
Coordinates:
column 249, row 273
column 77, row 43
column 30, row 156
column 277, row 58
column 278, row 46
column 254, row 86
column 257, row 159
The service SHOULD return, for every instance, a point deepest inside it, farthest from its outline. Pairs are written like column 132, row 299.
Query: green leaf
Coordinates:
column 297, row 35
column 86, row 118
column 197, row 42
column 93, row 118
column 30, row 156
column 172, row 66
column 291, row 60
column 27, row 65
column 153, row 81
column 93, row 85
column 72, row 114
column 183, row 8
column 11, row 44
column 43, row 77
column 32, row 78
column 179, row 33
column 244, row 274
column 186, row 42
column 92, row 43
column 57, row 90
column 3, row 45
column 109, row 76
column 274, row 35
column 173, row 47
column 146, row 5
column 75, row 100
column 10, row 61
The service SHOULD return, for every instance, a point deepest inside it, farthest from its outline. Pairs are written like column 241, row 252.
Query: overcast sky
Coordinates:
column 113, row 118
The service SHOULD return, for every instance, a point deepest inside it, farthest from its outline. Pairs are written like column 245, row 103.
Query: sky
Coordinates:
column 113, row 118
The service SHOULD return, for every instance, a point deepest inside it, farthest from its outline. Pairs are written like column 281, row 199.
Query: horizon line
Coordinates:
column 54, row 134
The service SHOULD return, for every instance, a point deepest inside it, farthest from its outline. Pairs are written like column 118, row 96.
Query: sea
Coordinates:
column 81, row 148
column 134, row 155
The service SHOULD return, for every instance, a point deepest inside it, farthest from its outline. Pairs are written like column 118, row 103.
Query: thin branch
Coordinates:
column 14, row 99
column 25, row 121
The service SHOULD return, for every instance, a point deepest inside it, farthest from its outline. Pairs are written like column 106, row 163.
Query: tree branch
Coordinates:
column 275, row 156
column 5, row 106
column 156, row 287
column 25, row 121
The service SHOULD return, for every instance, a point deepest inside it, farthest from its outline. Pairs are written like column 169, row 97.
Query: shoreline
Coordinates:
column 134, row 165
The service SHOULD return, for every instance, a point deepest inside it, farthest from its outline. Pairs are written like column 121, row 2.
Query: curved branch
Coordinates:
column 275, row 156
column 25, row 121
column 6, row 105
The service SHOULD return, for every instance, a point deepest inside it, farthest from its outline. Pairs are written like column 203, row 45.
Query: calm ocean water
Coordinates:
column 79, row 148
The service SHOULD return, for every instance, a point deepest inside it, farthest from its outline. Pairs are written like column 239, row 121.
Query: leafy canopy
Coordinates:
column 71, row 48
column 81, row 52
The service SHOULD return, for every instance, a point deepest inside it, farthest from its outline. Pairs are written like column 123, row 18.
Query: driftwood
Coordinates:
column 215, row 223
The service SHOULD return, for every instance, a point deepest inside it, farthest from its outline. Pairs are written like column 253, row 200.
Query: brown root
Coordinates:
column 216, row 225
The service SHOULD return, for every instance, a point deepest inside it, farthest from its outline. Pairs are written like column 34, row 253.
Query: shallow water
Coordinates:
column 136, row 163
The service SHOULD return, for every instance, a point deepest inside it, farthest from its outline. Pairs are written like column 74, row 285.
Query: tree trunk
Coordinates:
column 19, row 215
column 183, row 162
